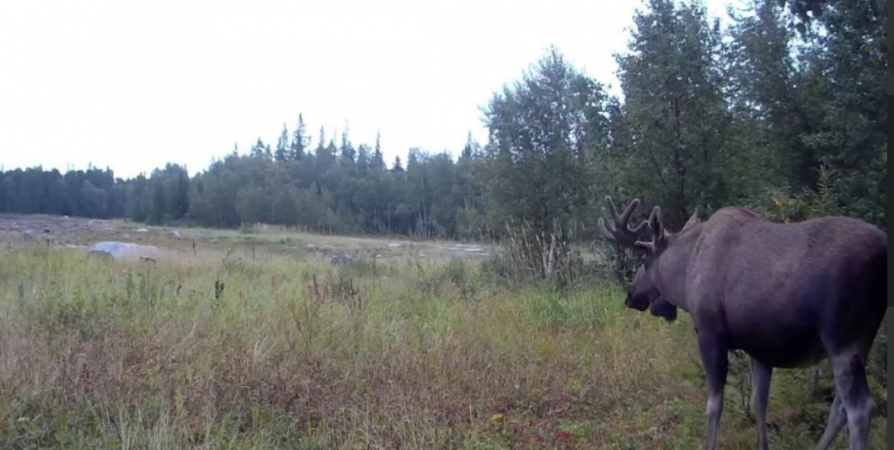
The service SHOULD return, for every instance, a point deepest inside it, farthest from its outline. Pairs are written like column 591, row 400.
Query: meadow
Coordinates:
column 251, row 340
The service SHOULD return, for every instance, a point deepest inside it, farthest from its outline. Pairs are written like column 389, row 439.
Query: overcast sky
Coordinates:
column 133, row 85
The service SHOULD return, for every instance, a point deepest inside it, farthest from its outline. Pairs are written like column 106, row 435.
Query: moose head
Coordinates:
column 646, row 291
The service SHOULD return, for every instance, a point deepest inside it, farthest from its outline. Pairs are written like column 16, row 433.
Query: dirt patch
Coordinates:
column 78, row 234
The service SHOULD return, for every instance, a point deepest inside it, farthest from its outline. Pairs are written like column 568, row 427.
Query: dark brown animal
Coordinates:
column 788, row 295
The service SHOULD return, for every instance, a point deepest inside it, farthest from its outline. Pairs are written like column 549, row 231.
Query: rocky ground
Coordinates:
column 79, row 234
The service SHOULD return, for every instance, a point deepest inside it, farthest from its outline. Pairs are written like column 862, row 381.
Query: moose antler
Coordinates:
column 659, row 233
column 617, row 229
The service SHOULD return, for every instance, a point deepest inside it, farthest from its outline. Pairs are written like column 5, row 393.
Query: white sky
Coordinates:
column 133, row 85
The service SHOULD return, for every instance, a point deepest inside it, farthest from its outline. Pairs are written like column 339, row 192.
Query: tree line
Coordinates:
column 773, row 112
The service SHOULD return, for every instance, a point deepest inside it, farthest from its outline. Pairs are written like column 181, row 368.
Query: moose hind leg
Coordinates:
column 760, row 396
column 853, row 389
column 837, row 420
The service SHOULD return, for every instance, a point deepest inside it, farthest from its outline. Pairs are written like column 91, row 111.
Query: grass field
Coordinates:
column 242, row 346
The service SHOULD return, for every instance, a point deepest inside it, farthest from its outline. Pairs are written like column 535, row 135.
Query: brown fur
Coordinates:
column 789, row 295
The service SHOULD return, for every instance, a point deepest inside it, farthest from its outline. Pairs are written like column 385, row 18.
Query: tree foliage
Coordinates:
column 748, row 115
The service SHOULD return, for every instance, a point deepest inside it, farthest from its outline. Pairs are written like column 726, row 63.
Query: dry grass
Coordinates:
column 293, row 353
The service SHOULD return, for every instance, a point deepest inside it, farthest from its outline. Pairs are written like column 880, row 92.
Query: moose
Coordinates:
column 787, row 295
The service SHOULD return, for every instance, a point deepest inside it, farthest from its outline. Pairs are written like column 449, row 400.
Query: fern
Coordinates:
column 825, row 202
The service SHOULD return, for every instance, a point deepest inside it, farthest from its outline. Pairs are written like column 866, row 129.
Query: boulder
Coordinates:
column 342, row 259
column 123, row 250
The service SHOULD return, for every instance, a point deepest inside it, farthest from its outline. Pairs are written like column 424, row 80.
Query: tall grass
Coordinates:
column 259, row 350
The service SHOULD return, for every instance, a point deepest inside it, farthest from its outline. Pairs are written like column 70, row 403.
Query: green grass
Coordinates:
column 294, row 353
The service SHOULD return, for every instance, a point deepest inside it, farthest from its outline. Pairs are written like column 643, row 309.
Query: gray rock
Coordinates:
column 340, row 260
column 123, row 250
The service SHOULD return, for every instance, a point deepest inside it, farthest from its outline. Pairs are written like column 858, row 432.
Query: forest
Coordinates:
column 781, row 112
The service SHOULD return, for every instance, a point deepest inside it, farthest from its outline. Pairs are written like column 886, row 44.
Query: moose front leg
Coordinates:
column 715, row 361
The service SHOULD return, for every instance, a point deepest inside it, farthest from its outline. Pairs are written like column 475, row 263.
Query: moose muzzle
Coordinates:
column 636, row 300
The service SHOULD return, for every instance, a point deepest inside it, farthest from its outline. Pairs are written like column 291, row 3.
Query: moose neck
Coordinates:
column 674, row 265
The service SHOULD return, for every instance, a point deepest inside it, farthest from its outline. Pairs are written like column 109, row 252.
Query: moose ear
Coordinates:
column 659, row 234
column 655, row 222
